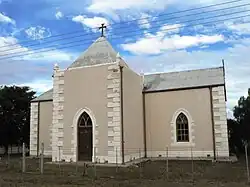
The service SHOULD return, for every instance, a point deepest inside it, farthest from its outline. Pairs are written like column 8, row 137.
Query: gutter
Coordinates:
column 45, row 100
column 122, row 119
column 212, row 118
column 184, row 88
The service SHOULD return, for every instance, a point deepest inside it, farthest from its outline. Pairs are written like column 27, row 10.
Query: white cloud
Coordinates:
column 236, row 63
column 9, row 45
column 50, row 56
column 59, row 15
column 6, row 19
column 100, row 6
column 230, row 114
column 144, row 22
column 113, row 6
column 240, row 28
column 174, row 28
column 162, row 41
column 34, row 70
column 4, row 41
column 37, row 33
column 39, row 86
column 92, row 23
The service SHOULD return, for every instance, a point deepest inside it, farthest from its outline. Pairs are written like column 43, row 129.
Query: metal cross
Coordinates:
column 103, row 27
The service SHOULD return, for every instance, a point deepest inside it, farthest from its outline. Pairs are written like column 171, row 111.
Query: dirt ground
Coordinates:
column 151, row 173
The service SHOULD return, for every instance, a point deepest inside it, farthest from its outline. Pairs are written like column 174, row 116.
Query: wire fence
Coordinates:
column 164, row 167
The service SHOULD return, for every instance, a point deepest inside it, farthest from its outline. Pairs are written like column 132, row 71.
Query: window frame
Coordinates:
column 174, row 141
column 180, row 130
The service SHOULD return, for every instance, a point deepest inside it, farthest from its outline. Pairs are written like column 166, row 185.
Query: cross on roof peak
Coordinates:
column 102, row 28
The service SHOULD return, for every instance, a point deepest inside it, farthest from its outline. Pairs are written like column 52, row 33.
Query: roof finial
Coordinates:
column 118, row 55
column 103, row 27
column 56, row 67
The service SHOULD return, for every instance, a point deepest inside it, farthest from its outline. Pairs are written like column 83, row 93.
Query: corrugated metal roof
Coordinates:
column 45, row 96
column 172, row 80
column 100, row 52
column 184, row 79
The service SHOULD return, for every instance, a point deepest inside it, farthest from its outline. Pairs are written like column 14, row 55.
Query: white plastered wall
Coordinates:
column 114, row 122
column 181, row 149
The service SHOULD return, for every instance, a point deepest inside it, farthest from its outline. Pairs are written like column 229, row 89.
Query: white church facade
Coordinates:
column 100, row 110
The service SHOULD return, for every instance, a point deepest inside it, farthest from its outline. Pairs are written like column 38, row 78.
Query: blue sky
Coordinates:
column 155, row 42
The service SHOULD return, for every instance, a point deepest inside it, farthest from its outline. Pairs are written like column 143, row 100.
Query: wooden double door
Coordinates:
column 85, row 138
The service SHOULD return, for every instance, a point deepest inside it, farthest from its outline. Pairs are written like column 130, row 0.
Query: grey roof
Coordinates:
column 184, row 79
column 45, row 96
column 100, row 52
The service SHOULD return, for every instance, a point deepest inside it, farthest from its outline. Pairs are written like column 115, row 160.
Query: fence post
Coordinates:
column 167, row 162
column 192, row 164
column 140, row 164
column 116, row 159
column 24, row 154
column 246, row 153
column 59, row 154
column 59, row 158
column 76, row 167
column 8, row 159
column 95, row 162
column 42, row 158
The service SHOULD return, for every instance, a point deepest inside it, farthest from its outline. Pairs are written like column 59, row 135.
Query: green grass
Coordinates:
column 180, row 173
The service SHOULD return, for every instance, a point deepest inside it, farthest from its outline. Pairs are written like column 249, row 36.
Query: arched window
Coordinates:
column 85, row 120
column 182, row 129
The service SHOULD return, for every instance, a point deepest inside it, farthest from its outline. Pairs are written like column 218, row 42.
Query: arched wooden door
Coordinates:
column 85, row 141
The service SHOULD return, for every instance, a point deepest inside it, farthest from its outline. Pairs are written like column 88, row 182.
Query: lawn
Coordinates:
column 150, row 173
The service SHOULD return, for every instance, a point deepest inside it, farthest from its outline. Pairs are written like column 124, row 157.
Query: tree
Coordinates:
column 239, row 128
column 235, row 140
column 14, row 115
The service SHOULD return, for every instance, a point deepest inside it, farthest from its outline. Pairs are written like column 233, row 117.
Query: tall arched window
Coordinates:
column 182, row 129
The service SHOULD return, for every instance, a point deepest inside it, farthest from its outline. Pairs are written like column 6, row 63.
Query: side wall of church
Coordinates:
column 45, row 126
column 220, row 122
column 133, row 115
column 33, row 128
column 94, row 90
column 162, row 109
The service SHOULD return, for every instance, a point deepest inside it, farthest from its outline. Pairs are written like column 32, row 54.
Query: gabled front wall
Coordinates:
column 95, row 90
column 162, row 108
column 86, row 88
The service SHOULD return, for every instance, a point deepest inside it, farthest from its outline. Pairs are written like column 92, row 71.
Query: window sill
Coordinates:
column 183, row 144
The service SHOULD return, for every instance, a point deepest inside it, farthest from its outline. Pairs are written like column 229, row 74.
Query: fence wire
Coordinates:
column 163, row 167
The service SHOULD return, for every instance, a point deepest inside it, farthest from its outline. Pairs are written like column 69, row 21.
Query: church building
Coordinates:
column 100, row 110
